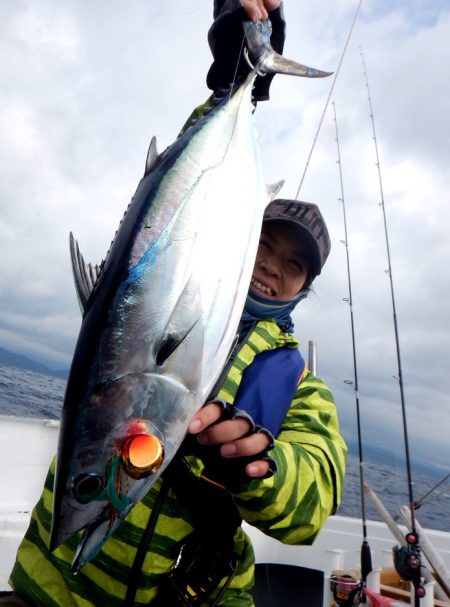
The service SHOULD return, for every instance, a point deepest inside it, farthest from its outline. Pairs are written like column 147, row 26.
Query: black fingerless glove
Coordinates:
column 230, row 472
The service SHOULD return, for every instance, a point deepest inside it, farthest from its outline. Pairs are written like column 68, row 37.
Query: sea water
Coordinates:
column 29, row 394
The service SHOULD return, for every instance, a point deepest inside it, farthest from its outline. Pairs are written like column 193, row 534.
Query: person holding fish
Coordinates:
column 265, row 448
column 275, row 458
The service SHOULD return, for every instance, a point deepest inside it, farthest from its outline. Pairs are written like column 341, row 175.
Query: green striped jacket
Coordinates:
column 291, row 506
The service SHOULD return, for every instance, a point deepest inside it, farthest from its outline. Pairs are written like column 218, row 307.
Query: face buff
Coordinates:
column 259, row 308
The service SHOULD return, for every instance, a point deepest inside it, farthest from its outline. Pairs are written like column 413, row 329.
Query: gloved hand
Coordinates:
column 226, row 38
column 232, row 447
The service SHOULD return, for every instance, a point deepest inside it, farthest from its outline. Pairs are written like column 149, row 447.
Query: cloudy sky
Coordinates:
column 86, row 84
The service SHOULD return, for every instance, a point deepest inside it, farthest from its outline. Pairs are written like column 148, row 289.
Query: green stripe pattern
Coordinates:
column 291, row 506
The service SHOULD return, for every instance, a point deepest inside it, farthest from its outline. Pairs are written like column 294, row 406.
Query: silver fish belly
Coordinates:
column 159, row 319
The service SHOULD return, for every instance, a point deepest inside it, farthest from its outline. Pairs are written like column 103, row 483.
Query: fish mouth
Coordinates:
column 263, row 288
column 92, row 540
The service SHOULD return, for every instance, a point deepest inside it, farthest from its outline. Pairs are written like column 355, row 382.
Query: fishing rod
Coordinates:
column 406, row 559
column 366, row 557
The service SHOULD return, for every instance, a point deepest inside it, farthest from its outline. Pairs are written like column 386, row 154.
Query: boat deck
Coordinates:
column 287, row 585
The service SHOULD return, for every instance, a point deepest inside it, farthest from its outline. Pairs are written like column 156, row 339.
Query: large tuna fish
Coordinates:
column 160, row 316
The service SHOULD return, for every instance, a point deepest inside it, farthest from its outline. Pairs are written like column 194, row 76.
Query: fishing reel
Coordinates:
column 407, row 562
column 346, row 589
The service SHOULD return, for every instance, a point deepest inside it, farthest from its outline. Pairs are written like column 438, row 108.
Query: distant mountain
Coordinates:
column 10, row 359
column 383, row 455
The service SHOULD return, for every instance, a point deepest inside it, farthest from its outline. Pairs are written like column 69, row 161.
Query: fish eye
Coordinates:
column 86, row 486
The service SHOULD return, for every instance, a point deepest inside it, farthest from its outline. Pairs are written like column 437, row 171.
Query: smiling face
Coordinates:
column 281, row 266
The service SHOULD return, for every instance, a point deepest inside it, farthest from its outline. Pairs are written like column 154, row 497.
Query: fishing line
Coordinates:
column 428, row 494
column 195, row 7
column 366, row 558
column 412, row 538
column 328, row 99
column 237, row 65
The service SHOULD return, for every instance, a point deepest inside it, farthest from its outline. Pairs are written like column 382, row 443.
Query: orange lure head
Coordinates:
column 142, row 454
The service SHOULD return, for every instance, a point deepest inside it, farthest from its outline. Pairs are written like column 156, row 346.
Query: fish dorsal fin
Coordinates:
column 84, row 274
column 274, row 188
column 152, row 156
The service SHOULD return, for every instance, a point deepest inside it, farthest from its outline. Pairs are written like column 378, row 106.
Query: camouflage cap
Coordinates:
column 307, row 219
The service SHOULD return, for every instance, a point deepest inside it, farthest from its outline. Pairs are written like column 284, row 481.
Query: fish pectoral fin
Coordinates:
column 264, row 60
column 152, row 156
column 84, row 274
column 169, row 344
column 184, row 317
column 92, row 539
column 174, row 336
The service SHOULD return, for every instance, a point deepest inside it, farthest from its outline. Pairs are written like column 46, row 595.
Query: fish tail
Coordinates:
column 265, row 60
